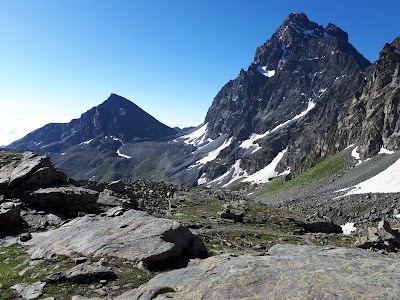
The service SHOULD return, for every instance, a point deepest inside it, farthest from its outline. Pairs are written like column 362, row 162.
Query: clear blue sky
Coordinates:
column 171, row 57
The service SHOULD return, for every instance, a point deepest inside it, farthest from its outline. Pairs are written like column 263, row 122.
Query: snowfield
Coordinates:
column 388, row 181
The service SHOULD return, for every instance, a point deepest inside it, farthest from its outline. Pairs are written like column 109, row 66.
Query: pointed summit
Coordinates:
column 117, row 117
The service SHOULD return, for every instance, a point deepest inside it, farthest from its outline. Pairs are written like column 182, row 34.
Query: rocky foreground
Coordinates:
column 63, row 239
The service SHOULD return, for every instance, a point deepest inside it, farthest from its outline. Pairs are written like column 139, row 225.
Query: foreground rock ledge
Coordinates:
column 133, row 235
column 288, row 272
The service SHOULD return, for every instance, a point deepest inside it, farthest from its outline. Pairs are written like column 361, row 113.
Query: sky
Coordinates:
column 60, row 58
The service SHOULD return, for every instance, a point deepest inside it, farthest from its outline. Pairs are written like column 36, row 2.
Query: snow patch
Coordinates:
column 202, row 179
column 268, row 172
column 123, row 155
column 196, row 138
column 62, row 153
column 250, row 142
column 397, row 51
column 355, row 154
column 212, row 154
column 385, row 151
column 265, row 72
column 348, row 228
column 388, row 181
column 234, row 173
column 86, row 142
column 117, row 139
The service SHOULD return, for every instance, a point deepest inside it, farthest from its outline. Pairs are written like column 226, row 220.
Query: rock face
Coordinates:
column 294, row 89
column 133, row 235
column 10, row 217
column 371, row 117
column 29, row 172
column 116, row 117
column 64, row 200
column 288, row 272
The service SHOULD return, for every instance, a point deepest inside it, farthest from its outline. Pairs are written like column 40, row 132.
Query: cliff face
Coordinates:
column 290, row 98
column 371, row 118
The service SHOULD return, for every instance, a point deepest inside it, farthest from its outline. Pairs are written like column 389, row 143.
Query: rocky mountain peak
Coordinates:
column 336, row 31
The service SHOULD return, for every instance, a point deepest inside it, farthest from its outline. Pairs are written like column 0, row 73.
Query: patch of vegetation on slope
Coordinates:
column 327, row 166
column 16, row 267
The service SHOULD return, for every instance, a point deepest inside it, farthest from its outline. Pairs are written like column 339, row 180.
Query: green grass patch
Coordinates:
column 8, row 157
column 327, row 166
column 198, row 211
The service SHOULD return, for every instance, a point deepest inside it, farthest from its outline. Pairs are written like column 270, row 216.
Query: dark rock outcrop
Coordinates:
column 10, row 218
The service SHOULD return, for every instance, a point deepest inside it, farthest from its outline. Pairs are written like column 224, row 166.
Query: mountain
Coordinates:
column 307, row 95
column 117, row 117
column 282, row 113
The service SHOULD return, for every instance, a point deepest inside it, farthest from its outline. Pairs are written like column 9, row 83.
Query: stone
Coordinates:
column 42, row 221
column 84, row 273
column 116, row 186
column 10, row 216
column 107, row 198
column 64, row 200
column 382, row 237
column 135, row 235
column 29, row 291
column 288, row 272
column 24, row 237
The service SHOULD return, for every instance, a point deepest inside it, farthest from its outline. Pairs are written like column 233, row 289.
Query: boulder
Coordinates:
column 107, row 198
column 382, row 237
column 29, row 291
column 133, row 235
column 84, row 273
column 36, row 220
column 288, row 272
column 30, row 172
column 64, row 200
column 10, row 216
column 116, row 186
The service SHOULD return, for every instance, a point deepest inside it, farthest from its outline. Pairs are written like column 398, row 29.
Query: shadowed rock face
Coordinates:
column 288, row 272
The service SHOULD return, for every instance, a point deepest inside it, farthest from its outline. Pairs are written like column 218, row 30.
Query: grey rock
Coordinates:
column 288, row 272
column 107, row 198
column 382, row 237
column 135, row 235
column 84, row 273
column 42, row 221
column 24, row 237
column 64, row 200
column 29, row 291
